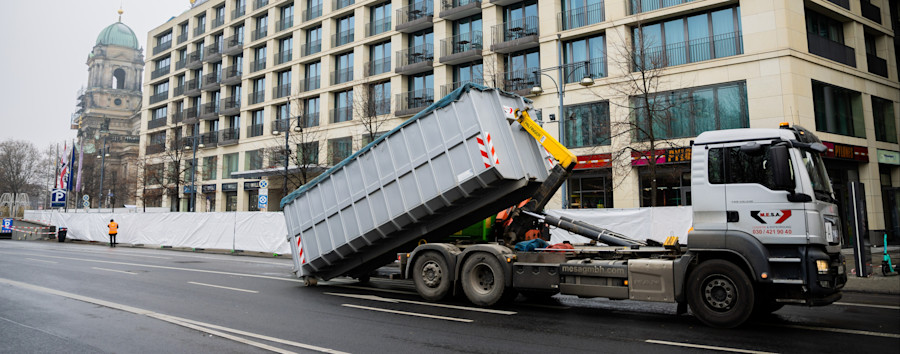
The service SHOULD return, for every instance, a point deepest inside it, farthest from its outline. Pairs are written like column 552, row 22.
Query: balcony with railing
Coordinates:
column 340, row 4
column 161, row 47
column 515, row 35
column 520, row 81
column 156, row 123
column 457, row 9
column 281, row 91
column 593, row 68
column 159, row 97
column 341, row 114
column 216, row 22
column 380, row 106
column 177, row 117
column 310, row 83
column 378, row 27
column 311, row 48
column 580, row 17
column 258, row 4
column 870, row 11
column 192, row 88
column 640, row 6
column 379, row 66
column 341, row 76
column 310, row 119
column 283, row 57
column 695, row 50
column 233, row 45
column 230, row 106
column 281, row 125
column 211, row 82
column 229, row 136
column 199, row 31
column 238, row 12
column 255, row 130
column 180, row 64
column 415, row 60
column 160, row 72
column 312, row 12
column 417, row 16
column 876, row 65
column 194, row 60
column 259, row 33
column 231, row 75
column 213, row 53
column 155, row 148
column 461, row 48
column 447, row 88
column 257, row 65
column 210, row 111
column 341, row 38
column 830, row 49
column 192, row 115
column 257, row 97
column 842, row 3
column 209, row 139
column 412, row 102
column 182, row 37
column 284, row 24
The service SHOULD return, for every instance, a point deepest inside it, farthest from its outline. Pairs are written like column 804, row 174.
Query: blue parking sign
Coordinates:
column 263, row 202
column 7, row 226
column 57, row 198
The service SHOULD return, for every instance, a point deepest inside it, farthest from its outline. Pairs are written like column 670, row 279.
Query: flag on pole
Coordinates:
column 80, row 159
column 71, row 164
column 64, row 168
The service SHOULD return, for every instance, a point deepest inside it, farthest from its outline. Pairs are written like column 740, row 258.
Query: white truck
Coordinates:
column 765, row 228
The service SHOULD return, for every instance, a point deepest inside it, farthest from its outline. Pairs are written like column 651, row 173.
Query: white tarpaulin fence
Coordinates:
column 265, row 232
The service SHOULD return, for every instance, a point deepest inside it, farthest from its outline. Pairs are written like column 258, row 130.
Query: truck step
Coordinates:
column 784, row 260
column 787, row 281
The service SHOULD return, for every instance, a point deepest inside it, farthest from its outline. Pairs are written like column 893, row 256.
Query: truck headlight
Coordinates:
column 822, row 266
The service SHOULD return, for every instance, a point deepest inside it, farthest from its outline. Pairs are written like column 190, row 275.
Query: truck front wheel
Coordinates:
column 720, row 294
column 430, row 274
column 483, row 279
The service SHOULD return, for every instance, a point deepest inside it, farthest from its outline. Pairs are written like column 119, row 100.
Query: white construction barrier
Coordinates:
column 640, row 223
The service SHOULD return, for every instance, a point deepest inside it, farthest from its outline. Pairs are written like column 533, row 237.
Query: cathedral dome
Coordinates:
column 118, row 34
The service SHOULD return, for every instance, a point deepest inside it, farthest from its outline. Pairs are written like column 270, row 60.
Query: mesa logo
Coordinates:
column 762, row 216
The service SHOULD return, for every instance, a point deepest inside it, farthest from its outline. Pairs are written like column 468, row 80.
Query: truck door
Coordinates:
column 753, row 207
column 708, row 189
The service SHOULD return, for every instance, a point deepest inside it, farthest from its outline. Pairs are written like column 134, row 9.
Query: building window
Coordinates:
column 160, row 113
column 379, row 98
column 885, row 123
column 689, row 112
column 313, row 41
column 343, row 106
column 308, row 153
column 673, row 185
column 229, row 164
column 209, row 167
column 838, row 110
column 311, row 82
column 256, row 123
column 158, row 138
column 343, row 64
column 287, row 17
column 380, row 17
column 591, row 190
column 379, row 58
column 689, row 39
column 638, row 6
column 825, row 27
column 585, row 57
column 340, row 149
column 587, row 124
column 313, row 9
column 579, row 13
column 253, row 160
column 520, row 68
column 344, row 30
column 311, row 112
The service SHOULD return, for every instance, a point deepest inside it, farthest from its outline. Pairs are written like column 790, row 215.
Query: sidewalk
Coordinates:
column 875, row 283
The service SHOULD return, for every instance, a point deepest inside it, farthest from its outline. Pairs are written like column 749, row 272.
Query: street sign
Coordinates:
column 263, row 202
column 263, row 191
column 85, row 197
column 86, row 203
column 57, row 198
column 7, row 226
column 263, row 184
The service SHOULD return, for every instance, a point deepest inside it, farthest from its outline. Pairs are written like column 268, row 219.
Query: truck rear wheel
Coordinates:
column 430, row 274
column 483, row 279
column 720, row 294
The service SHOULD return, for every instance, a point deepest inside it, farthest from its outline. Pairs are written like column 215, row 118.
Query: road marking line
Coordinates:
column 839, row 330
column 708, row 347
column 41, row 260
column 263, row 337
column 392, row 300
column 224, row 287
column 114, row 270
column 868, row 305
column 138, row 254
column 409, row 313
column 200, row 326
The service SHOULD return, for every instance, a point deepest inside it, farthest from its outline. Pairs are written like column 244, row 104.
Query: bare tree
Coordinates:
column 170, row 170
column 372, row 108
column 20, row 167
column 303, row 139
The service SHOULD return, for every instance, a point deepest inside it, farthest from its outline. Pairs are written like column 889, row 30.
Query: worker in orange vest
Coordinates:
column 113, row 230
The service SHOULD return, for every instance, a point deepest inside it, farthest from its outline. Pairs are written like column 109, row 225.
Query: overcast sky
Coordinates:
column 43, row 53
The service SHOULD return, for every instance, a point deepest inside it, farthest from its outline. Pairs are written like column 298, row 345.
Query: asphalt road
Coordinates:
column 89, row 298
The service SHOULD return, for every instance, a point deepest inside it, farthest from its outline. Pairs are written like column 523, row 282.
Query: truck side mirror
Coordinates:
column 780, row 161
column 818, row 147
column 752, row 148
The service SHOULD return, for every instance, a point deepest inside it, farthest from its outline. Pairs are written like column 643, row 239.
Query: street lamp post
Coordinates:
column 104, row 152
column 194, row 145
column 560, row 92
column 287, row 144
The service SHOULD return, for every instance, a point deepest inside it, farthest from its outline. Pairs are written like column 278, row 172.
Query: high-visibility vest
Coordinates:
column 113, row 228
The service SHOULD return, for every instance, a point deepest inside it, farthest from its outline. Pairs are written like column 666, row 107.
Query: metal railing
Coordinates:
column 341, row 38
column 461, row 43
column 191, row 113
column 311, row 47
column 159, row 97
column 156, row 123
column 211, row 79
column 593, row 68
column 379, row 26
column 381, row 106
column 230, row 72
column 284, row 24
column 238, row 12
column 310, row 119
column 257, row 65
column 830, row 49
column 255, row 130
column 341, row 114
column 281, row 91
column 230, row 103
column 198, row 31
column 194, row 57
column 522, row 79
column 177, row 117
column 876, row 65
column 210, row 139
column 213, row 52
column 639, row 6
column 211, row 108
column 418, row 54
column 162, row 47
column 580, row 17
column 870, row 11
column 283, row 57
column 233, row 42
column 229, row 134
column 452, row 4
column 340, row 4
column 180, row 64
column 415, row 11
column 182, row 38
column 412, row 100
column 260, row 33
column 260, row 3
column 341, row 76
column 160, row 72
column 312, row 12
column 695, row 50
column 447, row 88
column 310, row 83
column 216, row 22
column 257, row 97
column 155, row 148
column 516, row 29
column 379, row 66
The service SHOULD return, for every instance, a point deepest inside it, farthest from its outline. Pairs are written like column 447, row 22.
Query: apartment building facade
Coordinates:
column 240, row 68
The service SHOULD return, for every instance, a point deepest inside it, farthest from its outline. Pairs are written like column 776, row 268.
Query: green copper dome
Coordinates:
column 118, row 34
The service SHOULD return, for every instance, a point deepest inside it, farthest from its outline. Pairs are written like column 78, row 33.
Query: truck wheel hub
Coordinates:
column 485, row 277
column 431, row 274
column 719, row 294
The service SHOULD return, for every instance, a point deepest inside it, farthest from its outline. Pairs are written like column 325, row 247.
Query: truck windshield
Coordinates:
column 821, row 185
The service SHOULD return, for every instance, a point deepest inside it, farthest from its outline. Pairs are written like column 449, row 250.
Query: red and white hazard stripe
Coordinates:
column 484, row 153
column 300, row 250
column 490, row 144
column 547, row 157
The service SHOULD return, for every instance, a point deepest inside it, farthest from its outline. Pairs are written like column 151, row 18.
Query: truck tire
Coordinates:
column 310, row 281
column 483, row 279
column 720, row 294
column 430, row 274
